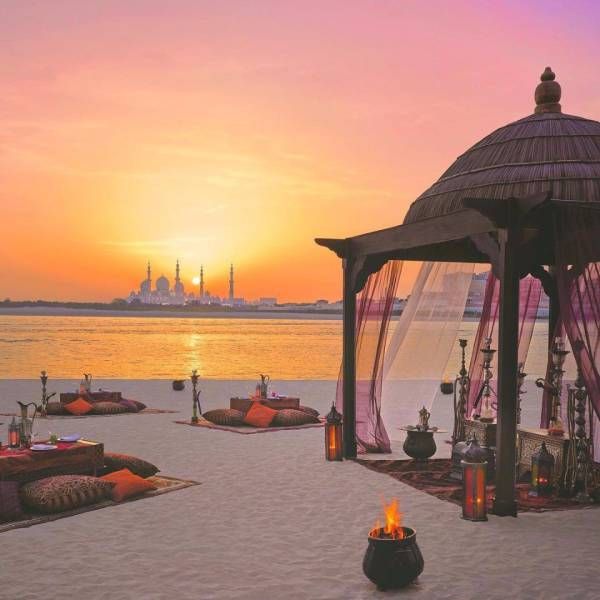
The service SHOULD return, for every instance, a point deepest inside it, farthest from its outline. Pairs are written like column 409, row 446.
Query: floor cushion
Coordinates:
column 290, row 417
column 140, row 405
column 259, row 415
column 64, row 492
column 225, row 416
column 307, row 409
column 10, row 503
column 108, row 408
column 117, row 462
column 127, row 484
column 130, row 405
column 78, row 407
column 56, row 408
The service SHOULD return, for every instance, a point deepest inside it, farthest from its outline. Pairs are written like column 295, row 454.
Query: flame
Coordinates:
column 393, row 522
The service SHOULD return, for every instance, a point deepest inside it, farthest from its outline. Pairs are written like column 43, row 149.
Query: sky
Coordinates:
column 238, row 131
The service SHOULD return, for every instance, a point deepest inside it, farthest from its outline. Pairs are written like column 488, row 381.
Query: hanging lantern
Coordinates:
column 542, row 472
column 333, row 435
column 474, row 467
column 13, row 434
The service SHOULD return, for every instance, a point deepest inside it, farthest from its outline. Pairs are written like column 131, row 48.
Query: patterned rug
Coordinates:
column 247, row 429
column 433, row 478
column 162, row 482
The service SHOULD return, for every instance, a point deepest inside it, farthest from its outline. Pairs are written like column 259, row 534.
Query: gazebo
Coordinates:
column 525, row 199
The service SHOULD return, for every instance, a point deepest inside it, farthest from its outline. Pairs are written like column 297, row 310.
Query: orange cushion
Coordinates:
column 127, row 484
column 78, row 407
column 259, row 415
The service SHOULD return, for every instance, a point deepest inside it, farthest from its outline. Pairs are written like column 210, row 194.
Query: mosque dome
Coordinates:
column 162, row 284
column 547, row 151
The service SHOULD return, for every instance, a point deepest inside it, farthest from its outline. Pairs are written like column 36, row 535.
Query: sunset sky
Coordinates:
column 237, row 131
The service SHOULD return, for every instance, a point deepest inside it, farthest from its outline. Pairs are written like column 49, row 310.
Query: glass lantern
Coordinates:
column 333, row 435
column 13, row 434
column 542, row 472
column 474, row 468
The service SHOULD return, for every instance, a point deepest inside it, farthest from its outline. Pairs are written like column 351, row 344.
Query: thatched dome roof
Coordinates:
column 547, row 151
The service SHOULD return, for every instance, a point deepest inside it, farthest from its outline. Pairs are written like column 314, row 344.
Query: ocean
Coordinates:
column 135, row 347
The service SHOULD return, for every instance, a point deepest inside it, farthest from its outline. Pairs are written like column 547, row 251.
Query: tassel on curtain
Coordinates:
column 373, row 312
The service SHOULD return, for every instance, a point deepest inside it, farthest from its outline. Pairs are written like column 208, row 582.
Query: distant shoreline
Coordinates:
column 61, row 311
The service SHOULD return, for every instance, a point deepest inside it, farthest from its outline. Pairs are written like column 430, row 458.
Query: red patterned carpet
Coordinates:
column 433, row 478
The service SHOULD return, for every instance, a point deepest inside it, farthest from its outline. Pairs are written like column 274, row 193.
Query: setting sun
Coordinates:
column 196, row 280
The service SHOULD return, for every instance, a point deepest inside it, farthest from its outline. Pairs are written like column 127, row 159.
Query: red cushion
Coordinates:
column 259, row 415
column 127, row 484
column 79, row 407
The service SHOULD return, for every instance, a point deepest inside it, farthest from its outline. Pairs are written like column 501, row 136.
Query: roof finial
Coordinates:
column 547, row 93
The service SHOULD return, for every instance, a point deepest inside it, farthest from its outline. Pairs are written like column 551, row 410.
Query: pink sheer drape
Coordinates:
column 373, row 312
column 577, row 244
column 530, row 291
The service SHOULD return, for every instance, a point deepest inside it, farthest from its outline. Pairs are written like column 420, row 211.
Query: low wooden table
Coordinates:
column 243, row 404
column 70, row 458
column 529, row 442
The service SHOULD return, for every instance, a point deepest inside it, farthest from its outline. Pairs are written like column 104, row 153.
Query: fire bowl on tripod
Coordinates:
column 392, row 562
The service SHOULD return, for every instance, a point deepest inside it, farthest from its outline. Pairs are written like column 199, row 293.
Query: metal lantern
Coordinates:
column 474, row 467
column 542, row 472
column 13, row 434
column 333, row 435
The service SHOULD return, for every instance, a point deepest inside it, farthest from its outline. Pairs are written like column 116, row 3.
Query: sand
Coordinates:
column 272, row 519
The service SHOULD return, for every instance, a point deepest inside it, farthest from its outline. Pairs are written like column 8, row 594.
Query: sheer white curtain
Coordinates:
column 421, row 342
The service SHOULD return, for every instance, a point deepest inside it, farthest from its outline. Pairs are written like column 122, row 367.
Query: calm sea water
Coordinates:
column 165, row 348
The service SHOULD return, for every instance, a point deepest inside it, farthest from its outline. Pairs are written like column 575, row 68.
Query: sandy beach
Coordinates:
column 273, row 519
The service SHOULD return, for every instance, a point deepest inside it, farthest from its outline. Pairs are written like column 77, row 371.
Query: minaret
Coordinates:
column 231, row 283
column 149, row 274
column 177, row 272
column 201, row 282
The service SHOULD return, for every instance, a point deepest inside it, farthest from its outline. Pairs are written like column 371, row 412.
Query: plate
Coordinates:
column 70, row 438
column 42, row 447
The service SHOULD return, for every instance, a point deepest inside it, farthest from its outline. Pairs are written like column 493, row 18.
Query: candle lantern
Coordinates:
column 13, row 434
column 542, row 472
column 333, row 435
column 474, row 467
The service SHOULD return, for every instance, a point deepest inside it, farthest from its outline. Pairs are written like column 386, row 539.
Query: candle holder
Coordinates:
column 333, row 435
column 474, row 468
column 196, row 409
column 542, row 472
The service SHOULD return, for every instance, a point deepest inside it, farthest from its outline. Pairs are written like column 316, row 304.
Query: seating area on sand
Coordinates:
column 257, row 414
column 48, row 481
column 273, row 500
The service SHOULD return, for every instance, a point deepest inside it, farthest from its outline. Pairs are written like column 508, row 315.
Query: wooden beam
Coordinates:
column 349, row 359
column 434, row 230
column 508, row 339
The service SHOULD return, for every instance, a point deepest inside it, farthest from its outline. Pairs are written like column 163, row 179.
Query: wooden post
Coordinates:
column 349, row 360
column 553, row 308
column 508, row 337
